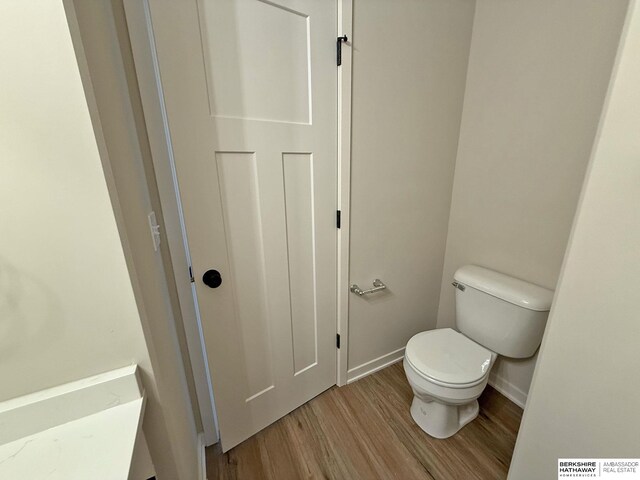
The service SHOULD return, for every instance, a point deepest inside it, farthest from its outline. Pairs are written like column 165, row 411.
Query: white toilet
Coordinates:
column 496, row 315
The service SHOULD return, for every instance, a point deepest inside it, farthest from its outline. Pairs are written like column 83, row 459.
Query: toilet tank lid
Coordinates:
column 510, row 289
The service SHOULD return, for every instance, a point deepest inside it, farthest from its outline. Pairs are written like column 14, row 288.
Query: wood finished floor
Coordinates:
column 365, row 431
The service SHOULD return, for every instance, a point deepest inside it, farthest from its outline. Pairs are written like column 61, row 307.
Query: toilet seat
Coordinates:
column 448, row 358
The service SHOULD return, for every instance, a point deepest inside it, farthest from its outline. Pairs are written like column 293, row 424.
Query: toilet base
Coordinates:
column 440, row 420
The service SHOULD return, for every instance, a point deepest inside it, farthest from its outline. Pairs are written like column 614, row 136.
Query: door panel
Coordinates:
column 251, row 97
column 238, row 185
column 273, row 87
column 298, row 188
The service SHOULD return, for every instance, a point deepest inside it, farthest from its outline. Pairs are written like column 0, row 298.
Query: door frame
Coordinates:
column 345, row 27
column 150, row 86
column 147, row 72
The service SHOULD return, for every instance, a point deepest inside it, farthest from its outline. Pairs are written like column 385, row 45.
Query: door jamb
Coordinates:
column 345, row 27
column 149, row 83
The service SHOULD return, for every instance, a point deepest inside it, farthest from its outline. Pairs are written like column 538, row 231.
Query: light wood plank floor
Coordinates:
column 365, row 431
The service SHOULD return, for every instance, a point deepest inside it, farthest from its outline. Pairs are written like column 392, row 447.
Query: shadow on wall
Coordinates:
column 28, row 310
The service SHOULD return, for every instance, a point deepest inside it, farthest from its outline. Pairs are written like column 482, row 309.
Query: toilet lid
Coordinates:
column 447, row 356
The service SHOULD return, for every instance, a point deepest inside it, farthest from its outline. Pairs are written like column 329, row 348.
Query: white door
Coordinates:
column 250, row 88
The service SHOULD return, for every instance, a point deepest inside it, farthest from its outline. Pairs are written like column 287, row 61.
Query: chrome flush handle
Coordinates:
column 377, row 286
column 459, row 286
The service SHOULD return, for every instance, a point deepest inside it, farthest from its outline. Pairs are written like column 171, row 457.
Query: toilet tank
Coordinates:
column 502, row 313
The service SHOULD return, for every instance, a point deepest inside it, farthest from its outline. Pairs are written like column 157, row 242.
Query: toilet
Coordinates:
column 448, row 369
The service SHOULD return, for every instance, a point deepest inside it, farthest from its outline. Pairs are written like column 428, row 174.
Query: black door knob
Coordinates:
column 212, row 278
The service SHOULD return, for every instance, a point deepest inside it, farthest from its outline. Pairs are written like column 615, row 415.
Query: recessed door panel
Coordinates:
column 299, row 205
column 266, row 47
column 238, row 184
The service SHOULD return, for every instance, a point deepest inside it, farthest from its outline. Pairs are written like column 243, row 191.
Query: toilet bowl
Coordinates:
column 496, row 314
column 447, row 373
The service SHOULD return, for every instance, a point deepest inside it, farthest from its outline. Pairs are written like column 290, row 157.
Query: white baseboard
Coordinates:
column 509, row 390
column 374, row 365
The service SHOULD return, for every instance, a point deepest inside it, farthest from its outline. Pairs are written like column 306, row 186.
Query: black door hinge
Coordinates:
column 191, row 275
column 337, row 218
column 338, row 340
column 339, row 48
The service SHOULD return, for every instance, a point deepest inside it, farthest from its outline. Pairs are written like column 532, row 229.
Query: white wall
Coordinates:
column 71, row 304
column 537, row 78
column 409, row 67
column 67, row 308
column 584, row 397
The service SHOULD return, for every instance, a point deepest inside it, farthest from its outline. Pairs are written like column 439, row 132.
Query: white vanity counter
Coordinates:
column 81, row 430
